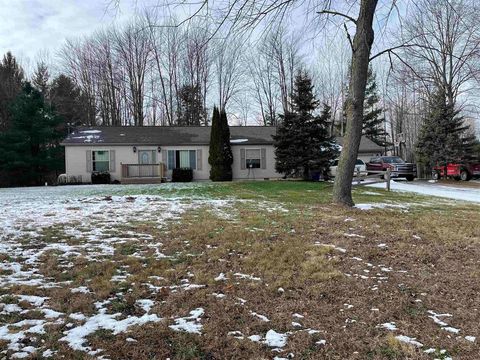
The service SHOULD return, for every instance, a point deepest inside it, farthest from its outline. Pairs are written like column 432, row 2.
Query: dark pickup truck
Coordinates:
column 398, row 167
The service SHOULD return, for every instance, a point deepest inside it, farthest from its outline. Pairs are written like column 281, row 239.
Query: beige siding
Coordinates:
column 269, row 172
column 76, row 161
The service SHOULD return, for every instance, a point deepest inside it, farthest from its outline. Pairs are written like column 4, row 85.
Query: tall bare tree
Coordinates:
column 229, row 68
column 134, row 54
column 443, row 38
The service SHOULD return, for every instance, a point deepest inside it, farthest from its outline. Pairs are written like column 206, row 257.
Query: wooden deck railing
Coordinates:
column 130, row 171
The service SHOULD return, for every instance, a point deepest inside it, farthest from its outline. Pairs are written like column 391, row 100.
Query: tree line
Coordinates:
column 153, row 71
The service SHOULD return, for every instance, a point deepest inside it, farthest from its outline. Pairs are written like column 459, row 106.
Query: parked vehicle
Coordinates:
column 457, row 171
column 398, row 167
column 360, row 168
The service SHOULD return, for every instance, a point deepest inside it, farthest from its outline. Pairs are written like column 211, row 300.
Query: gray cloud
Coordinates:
column 30, row 27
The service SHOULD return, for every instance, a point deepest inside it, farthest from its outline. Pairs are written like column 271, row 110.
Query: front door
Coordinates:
column 146, row 157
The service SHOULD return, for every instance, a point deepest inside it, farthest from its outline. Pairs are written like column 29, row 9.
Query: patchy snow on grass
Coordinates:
column 190, row 324
column 389, row 326
column 221, row 277
column 261, row 317
column 247, row 277
column 408, row 340
column 275, row 339
column 437, row 319
column 76, row 336
column 90, row 222
column 370, row 206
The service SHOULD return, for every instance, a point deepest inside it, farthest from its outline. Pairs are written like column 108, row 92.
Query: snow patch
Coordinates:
column 409, row 340
column 190, row 323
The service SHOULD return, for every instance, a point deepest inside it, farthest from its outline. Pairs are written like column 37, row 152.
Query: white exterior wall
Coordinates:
column 269, row 172
column 76, row 161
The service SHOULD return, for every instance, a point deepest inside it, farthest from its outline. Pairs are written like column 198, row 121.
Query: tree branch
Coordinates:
column 349, row 37
column 391, row 49
column 335, row 13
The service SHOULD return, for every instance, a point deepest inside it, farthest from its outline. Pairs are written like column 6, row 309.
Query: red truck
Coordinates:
column 397, row 166
column 457, row 171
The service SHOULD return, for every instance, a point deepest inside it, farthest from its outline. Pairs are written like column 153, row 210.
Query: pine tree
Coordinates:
column 373, row 122
column 302, row 142
column 68, row 102
column 443, row 136
column 190, row 110
column 40, row 79
column 30, row 148
column 11, row 80
column 220, row 154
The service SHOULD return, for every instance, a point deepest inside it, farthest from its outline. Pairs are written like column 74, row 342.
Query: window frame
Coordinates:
column 259, row 158
column 176, row 158
column 95, row 161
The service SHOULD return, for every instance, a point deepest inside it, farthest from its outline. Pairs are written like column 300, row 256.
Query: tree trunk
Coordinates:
column 362, row 43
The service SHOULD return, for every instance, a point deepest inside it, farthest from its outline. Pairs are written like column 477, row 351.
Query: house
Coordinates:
column 147, row 154
column 367, row 148
column 132, row 154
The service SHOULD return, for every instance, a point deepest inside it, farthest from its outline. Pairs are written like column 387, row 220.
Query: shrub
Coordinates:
column 182, row 175
column 100, row 177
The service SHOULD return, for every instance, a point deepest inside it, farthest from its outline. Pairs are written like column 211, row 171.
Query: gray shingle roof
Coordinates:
column 181, row 135
column 166, row 135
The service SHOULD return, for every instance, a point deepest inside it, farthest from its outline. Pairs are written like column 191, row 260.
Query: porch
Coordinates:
column 143, row 173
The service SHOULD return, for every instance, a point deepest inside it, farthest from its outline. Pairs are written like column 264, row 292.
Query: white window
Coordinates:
column 253, row 158
column 182, row 159
column 101, row 160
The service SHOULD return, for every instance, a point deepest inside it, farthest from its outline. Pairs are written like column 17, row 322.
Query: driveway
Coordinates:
column 465, row 191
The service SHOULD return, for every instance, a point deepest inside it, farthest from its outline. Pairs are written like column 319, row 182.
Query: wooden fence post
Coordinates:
column 387, row 177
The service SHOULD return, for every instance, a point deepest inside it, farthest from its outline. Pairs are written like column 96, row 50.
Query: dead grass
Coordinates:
column 431, row 256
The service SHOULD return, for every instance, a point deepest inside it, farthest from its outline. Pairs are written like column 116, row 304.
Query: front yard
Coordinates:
column 244, row 270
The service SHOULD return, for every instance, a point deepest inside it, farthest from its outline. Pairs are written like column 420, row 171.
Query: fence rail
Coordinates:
column 130, row 171
column 378, row 176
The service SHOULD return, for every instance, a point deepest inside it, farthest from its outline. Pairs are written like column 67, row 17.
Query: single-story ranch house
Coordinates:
column 146, row 154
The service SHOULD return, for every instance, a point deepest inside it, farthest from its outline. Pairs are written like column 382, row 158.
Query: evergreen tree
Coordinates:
column 40, row 79
column 302, row 142
column 373, row 122
column 30, row 147
column 190, row 110
column 68, row 102
column 443, row 136
column 11, row 80
column 220, row 154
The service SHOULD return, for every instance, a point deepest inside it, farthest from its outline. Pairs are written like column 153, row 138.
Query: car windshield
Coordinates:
column 359, row 162
column 393, row 160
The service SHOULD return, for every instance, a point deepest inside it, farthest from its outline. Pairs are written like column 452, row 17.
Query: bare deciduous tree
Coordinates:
column 229, row 65
column 134, row 53
column 443, row 38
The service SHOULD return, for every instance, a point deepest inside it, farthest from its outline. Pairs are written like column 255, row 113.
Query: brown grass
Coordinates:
column 440, row 268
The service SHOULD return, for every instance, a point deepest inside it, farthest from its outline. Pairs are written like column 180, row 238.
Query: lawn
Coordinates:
column 243, row 270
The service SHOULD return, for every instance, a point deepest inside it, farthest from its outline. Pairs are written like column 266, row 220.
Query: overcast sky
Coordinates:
column 29, row 27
